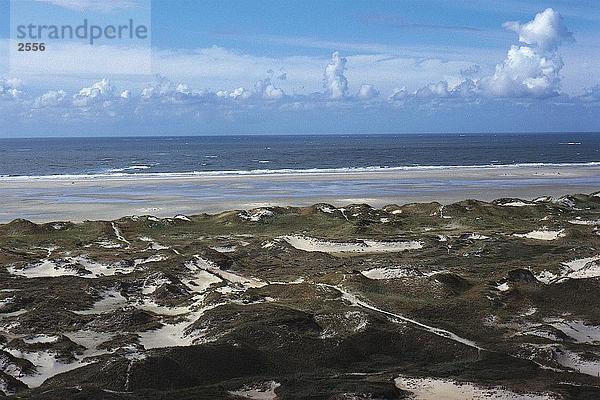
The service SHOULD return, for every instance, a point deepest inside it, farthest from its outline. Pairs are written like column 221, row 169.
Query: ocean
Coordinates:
column 274, row 154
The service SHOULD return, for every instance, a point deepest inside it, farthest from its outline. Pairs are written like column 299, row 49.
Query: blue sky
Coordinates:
column 425, row 23
column 221, row 67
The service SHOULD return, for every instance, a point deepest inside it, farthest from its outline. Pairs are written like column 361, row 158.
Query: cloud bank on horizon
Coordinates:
column 527, row 80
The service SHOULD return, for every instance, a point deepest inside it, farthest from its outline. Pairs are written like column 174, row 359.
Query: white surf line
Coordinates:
column 118, row 234
column 352, row 299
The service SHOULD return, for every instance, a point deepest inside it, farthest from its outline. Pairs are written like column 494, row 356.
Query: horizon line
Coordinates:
column 298, row 134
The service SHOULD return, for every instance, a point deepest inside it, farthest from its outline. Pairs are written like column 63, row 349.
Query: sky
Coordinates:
column 303, row 67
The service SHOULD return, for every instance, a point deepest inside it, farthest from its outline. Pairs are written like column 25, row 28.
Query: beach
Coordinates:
column 92, row 197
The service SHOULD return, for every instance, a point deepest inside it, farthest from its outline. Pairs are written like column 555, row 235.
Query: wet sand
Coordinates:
column 110, row 197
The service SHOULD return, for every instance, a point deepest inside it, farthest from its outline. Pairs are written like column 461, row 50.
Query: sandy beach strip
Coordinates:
column 78, row 198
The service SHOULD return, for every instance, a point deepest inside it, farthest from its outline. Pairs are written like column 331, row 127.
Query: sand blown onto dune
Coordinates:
column 362, row 246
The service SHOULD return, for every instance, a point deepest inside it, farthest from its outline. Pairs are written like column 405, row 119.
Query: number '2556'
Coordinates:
column 31, row 46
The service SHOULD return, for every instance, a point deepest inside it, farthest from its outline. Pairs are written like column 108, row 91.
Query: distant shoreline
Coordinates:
column 291, row 172
column 77, row 199
column 261, row 134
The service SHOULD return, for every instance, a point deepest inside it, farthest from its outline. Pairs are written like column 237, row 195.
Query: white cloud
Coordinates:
column 237, row 94
column 334, row 80
column 439, row 89
column 531, row 70
column 53, row 98
column 10, row 88
column 442, row 89
column 466, row 88
column 163, row 105
column 384, row 66
column 398, row 94
column 162, row 90
column 546, row 31
column 264, row 88
column 217, row 68
column 100, row 92
column 526, row 72
column 367, row 92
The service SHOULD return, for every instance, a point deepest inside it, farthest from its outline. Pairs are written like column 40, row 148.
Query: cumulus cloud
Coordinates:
column 467, row 88
column 163, row 105
column 163, row 90
column 526, row 72
column 530, row 70
column 546, row 31
column 100, row 92
column 439, row 89
column 266, row 89
column 237, row 94
column 334, row 80
column 367, row 92
column 53, row 98
column 533, row 69
column 398, row 94
column 10, row 88
column 442, row 89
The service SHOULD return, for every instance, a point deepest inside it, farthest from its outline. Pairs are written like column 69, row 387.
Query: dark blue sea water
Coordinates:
column 210, row 154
